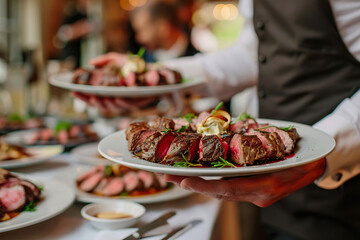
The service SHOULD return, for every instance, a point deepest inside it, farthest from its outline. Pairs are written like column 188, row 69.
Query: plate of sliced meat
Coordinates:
column 214, row 144
column 104, row 184
column 152, row 83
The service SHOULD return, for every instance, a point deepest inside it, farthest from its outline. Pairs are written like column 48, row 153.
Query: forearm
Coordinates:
column 344, row 125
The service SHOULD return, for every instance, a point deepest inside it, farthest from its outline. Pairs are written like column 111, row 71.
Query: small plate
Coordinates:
column 57, row 198
column 39, row 154
column 64, row 80
column 69, row 176
column 313, row 145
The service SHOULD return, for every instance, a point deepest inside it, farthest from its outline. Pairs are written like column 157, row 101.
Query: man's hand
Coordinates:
column 261, row 190
column 118, row 59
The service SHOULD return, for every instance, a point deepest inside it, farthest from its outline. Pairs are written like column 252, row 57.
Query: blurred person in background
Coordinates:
column 75, row 27
column 306, row 64
column 159, row 30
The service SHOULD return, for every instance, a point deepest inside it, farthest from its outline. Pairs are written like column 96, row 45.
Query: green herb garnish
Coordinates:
column 222, row 163
column 15, row 118
column 141, row 52
column 182, row 129
column 167, row 130
column 189, row 117
column 185, row 80
column 217, row 108
column 244, row 116
column 108, row 170
column 41, row 188
column 63, row 125
column 281, row 128
column 30, row 207
column 124, row 194
column 186, row 164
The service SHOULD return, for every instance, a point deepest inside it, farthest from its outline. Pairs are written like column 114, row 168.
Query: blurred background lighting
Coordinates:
column 225, row 12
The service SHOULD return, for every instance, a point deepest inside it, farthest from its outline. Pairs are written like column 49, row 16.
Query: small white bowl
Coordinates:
column 136, row 210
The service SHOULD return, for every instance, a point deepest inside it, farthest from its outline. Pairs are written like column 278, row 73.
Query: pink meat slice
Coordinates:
column 130, row 80
column 161, row 181
column 114, row 187
column 46, row 134
column 152, row 78
column 180, row 122
column 89, row 173
column 96, row 77
column 147, row 178
column 74, row 131
column 246, row 149
column 131, row 180
column 63, row 136
column 100, row 187
column 287, row 137
column 12, row 197
column 237, row 127
column 90, row 183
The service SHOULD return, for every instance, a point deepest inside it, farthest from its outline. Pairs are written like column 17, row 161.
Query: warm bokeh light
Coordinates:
column 225, row 12
column 129, row 5
column 137, row 3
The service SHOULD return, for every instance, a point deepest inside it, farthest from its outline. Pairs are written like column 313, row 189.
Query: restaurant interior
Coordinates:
column 41, row 40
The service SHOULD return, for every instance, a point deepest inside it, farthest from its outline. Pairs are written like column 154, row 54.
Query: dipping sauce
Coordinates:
column 112, row 215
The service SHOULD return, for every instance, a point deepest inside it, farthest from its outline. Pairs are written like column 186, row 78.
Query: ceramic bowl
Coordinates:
column 90, row 211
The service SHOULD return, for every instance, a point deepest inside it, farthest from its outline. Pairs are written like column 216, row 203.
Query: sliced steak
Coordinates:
column 211, row 149
column 155, row 147
column 147, row 178
column 271, row 142
column 163, row 123
column 89, row 173
column 138, row 138
column 186, row 144
column 12, row 196
column 136, row 126
column 91, row 182
column 132, row 181
column 246, row 149
column 289, row 138
column 114, row 187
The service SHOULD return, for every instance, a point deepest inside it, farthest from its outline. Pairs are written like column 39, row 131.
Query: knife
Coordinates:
column 180, row 230
column 150, row 226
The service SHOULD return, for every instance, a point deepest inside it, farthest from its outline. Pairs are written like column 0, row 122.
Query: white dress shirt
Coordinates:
column 235, row 68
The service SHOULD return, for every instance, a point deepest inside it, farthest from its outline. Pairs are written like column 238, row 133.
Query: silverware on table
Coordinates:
column 180, row 230
column 162, row 220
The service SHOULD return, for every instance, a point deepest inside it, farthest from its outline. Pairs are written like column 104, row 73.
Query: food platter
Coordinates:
column 39, row 154
column 64, row 80
column 313, row 145
column 57, row 198
column 69, row 176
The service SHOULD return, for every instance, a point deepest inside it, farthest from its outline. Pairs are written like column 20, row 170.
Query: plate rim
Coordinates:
column 136, row 91
column 70, row 197
column 226, row 172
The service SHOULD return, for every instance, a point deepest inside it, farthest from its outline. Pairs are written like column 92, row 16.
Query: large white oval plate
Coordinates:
column 57, row 198
column 39, row 154
column 313, row 145
column 64, row 80
column 69, row 176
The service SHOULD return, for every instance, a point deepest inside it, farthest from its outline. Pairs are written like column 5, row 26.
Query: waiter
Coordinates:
column 307, row 70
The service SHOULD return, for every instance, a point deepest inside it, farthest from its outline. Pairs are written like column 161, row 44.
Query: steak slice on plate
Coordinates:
column 138, row 137
column 271, row 142
column 289, row 137
column 186, row 144
column 211, row 148
column 134, row 127
column 163, row 123
column 246, row 149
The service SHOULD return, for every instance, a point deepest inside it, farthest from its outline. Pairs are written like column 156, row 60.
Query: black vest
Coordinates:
column 305, row 71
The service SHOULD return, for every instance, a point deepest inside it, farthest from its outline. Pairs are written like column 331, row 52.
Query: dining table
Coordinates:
column 70, row 225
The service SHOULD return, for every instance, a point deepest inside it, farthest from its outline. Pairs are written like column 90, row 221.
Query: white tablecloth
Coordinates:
column 70, row 225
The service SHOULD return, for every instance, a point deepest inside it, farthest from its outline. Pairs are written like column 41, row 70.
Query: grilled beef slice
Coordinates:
column 246, row 149
column 134, row 127
column 211, row 148
column 289, row 138
column 271, row 142
column 184, row 144
column 155, row 146
column 163, row 123
column 138, row 137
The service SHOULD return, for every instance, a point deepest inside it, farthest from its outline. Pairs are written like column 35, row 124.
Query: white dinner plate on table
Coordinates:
column 88, row 154
column 69, row 176
column 313, row 145
column 57, row 198
column 39, row 154
column 64, row 80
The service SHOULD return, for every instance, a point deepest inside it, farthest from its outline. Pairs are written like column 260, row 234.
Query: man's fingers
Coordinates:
column 83, row 97
column 174, row 179
column 102, row 60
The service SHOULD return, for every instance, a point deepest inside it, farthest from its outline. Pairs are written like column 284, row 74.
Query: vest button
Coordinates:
column 262, row 58
column 260, row 25
column 262, row 94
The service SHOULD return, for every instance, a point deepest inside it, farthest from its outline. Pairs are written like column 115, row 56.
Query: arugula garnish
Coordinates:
column 186, row 164
column 108, row 170
column 244, row 116
column 189, row 117
column 15, row 118
column 141, row 52
column 167, row 130
column 40, row 187
column 182, row 129
column 30, row 207
column 124, row 194
column 63, row 125
column 222, row 163
column 217, row 108
column 281, row 128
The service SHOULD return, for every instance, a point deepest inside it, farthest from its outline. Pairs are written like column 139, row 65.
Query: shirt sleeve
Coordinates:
column 344, row 125
column 229, row 71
